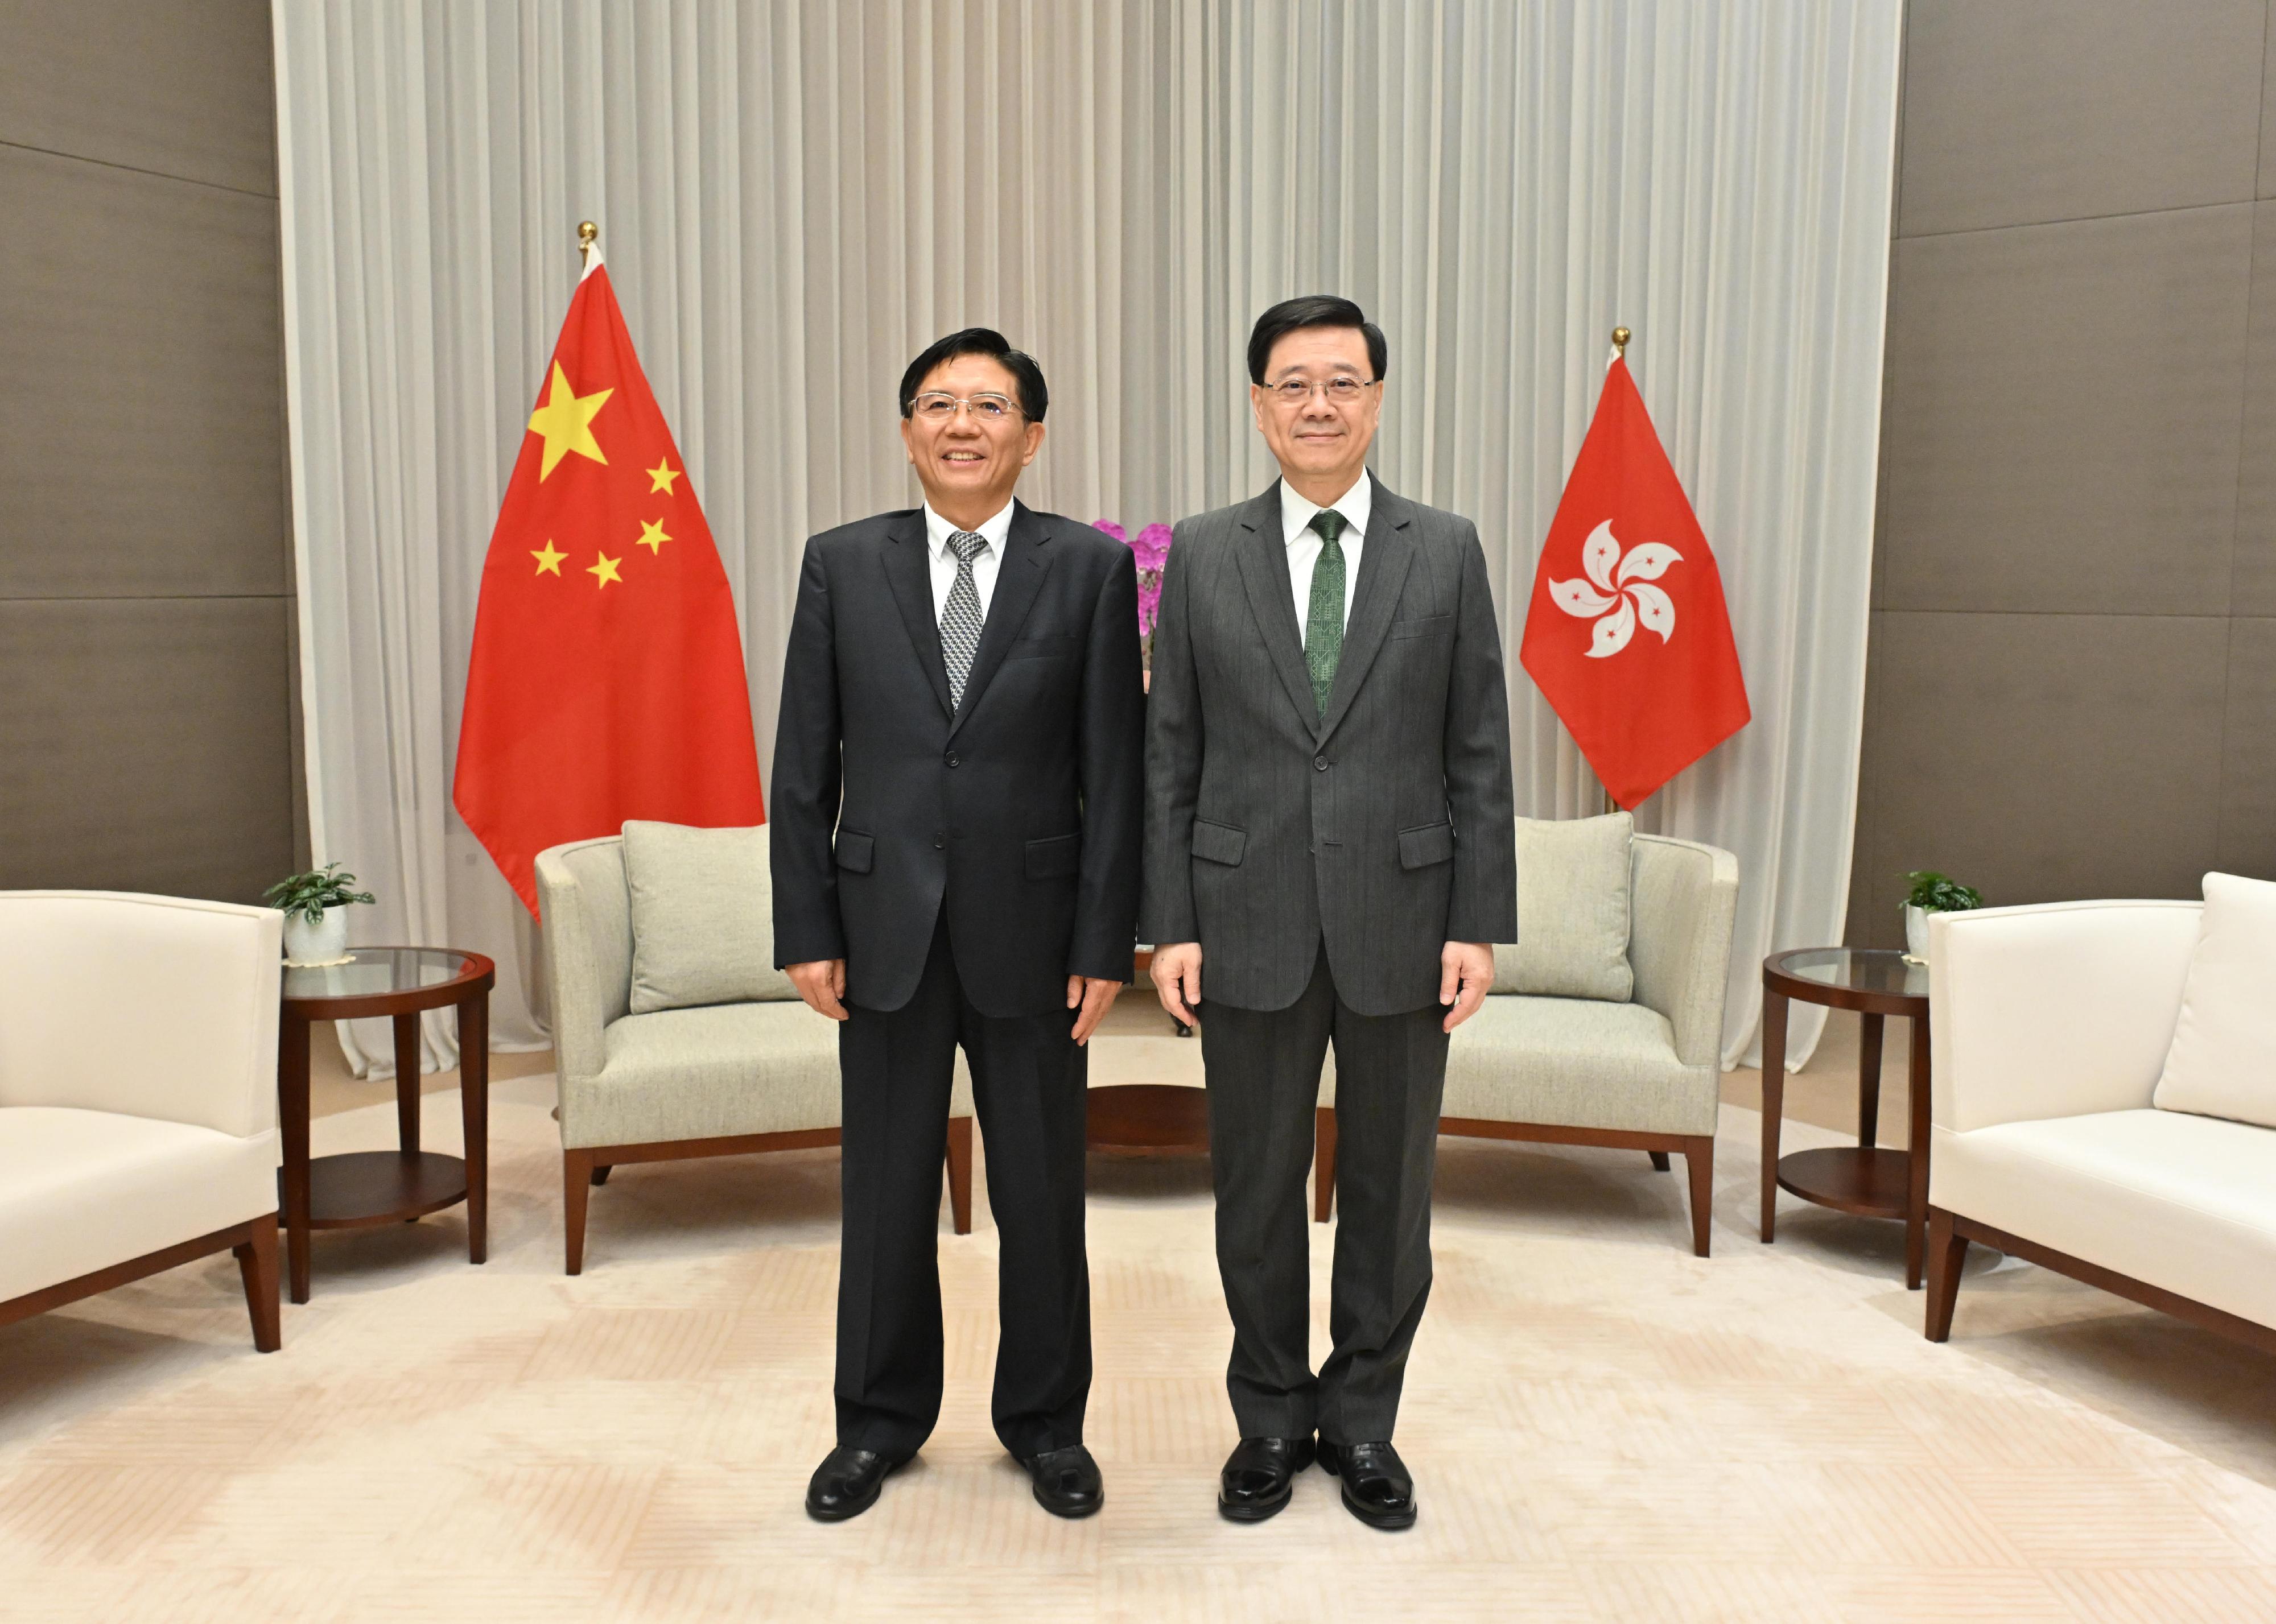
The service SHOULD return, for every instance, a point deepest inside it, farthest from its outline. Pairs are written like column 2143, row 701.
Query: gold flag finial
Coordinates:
column 1619, row 343
column 588, row 233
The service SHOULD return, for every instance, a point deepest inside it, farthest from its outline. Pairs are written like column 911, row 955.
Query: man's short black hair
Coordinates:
column 1035, row 397
column 1313, row 310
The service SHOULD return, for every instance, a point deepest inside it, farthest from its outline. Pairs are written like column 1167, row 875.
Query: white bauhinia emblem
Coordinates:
column 1623, row 594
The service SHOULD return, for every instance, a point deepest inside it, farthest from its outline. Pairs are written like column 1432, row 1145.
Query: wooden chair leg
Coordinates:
column 577, row 1183
column 1658, row 1160
column 1323, row 1163
column 600, row 1171
column 256, row 1262
column 1699, row 1161
column 959, row 1173
column 1947, row 1250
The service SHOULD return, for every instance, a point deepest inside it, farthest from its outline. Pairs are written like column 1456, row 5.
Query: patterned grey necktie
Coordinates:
column 960, row 618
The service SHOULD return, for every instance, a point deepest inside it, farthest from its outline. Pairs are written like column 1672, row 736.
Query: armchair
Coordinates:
column 138, row 1095
column 719, row 1080
column 1643, row 1075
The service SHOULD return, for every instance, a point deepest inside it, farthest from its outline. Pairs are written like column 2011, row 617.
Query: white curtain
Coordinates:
column 794, row 197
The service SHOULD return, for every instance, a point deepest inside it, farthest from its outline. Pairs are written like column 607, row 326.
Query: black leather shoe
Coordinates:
column 1378, row 1489
column 1259, row 1475
column 1067, row 1481
column 846, row 1484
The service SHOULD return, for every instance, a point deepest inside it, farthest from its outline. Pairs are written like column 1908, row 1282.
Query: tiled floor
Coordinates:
column 1604, row 1427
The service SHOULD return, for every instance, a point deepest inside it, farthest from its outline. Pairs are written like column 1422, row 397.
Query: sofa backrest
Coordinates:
column 148, row 1005
column 1684, row 898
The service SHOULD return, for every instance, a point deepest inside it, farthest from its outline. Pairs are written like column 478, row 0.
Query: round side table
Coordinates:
column 369, row 1188
column 1876, row 983
column 1148, row 1119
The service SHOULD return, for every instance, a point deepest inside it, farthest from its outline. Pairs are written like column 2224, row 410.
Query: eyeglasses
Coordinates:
column 939, row 407
column 1343, row 391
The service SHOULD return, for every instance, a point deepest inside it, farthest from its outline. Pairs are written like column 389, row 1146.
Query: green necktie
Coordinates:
column 1324, row 627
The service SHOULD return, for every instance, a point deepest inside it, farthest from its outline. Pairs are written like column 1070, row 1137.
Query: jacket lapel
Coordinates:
column 909, row 574
column 1264, row 559
column 1384, row 559
column 1027, row 560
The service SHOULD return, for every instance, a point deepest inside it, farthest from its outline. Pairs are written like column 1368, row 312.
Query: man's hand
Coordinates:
column 1178, row 978
column 1094, row 997
column 1466, row 973
column 822, row 983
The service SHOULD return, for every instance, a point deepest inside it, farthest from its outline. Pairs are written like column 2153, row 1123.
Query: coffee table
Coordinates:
column 368, row 1188
column 1148, row 1119
column 1866, row 1179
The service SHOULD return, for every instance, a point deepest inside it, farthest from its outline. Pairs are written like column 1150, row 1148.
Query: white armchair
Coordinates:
column 2052, row 1028
column 1643, row 1075
column 138, row 1094
column 718, row 1080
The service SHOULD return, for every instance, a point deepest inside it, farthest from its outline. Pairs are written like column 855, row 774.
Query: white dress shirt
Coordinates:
column 984, row 562
column 1304, row 543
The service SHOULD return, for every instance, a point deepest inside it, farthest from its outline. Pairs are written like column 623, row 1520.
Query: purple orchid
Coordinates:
column 1150, row 550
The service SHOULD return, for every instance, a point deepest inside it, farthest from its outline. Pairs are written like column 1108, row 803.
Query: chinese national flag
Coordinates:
column 1629, row 638
column 606, row 681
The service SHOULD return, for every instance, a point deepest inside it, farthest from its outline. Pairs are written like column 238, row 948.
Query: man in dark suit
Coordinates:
column 1329, row 845
column 957, row 815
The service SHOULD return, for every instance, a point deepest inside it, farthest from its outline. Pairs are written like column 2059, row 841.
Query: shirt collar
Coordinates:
column 1355, row 504
column 992, row 530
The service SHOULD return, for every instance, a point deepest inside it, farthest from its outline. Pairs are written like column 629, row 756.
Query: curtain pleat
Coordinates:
column 795, row 197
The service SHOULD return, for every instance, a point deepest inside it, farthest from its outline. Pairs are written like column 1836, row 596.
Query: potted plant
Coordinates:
column 1932, row 892
column 316, row 915
column 1150, row 550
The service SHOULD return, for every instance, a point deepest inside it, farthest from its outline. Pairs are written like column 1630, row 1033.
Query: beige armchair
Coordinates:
column 138, row 1094
column 718, row 1080
column 1643, row 1075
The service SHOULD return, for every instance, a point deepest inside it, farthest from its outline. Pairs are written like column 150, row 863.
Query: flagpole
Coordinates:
column 1620, row 353
column 587, row 232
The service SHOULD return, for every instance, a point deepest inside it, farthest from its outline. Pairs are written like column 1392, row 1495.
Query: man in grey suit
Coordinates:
column 1330, row 844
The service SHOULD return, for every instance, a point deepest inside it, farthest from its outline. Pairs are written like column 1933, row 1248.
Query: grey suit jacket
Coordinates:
column 1385, row 826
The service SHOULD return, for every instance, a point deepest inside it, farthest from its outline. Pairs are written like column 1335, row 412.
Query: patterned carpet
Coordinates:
column 1602, row 1426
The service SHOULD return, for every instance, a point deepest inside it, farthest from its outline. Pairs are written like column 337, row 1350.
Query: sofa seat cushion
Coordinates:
column 1572, row 1062
column 2188, row 1203
column 81, row 1191
column 707, row 1073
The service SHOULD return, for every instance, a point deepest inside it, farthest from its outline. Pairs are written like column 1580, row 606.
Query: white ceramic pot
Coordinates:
column 1916, row 934
column 324, row 942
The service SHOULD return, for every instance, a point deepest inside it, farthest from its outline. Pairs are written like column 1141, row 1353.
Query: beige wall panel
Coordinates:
column 2044, row 757
column 2268, row 116
column 2254, row 587
column 2248, row 774
column 181, row 87
column 2028, row 110
column 142, row 445
column 147, row 745
column 2065, row 412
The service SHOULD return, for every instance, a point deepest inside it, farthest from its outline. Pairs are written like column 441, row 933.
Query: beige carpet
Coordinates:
column 1602, row 1426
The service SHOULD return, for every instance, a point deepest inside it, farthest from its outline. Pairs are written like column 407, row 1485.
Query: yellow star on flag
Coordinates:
column 548, row 561
column 606, row 570
column 566, row 422
column 652, row 536
column 660, row 478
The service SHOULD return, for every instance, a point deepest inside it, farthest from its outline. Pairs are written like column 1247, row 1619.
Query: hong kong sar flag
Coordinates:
column 606, row 681
column 1628, row 636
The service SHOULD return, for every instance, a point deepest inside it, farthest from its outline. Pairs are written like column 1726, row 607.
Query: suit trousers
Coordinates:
column 1027, row 1086
column 1263, row 1073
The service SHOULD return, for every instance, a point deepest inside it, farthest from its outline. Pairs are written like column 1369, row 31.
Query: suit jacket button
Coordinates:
column 951, row 758
column 1320, row 763
column 939, row 840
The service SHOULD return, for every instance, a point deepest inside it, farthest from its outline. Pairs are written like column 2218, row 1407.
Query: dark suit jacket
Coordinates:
column 1387, row 826
column 1022, row 808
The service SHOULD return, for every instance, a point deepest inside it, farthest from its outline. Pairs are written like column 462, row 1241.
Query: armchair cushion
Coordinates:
column 708, row 1073
column 702, row 916
column 1572, row 910
column 2185, row 1202
column 2223, row 1061
column 81, row 1191
column 1576, row 1063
